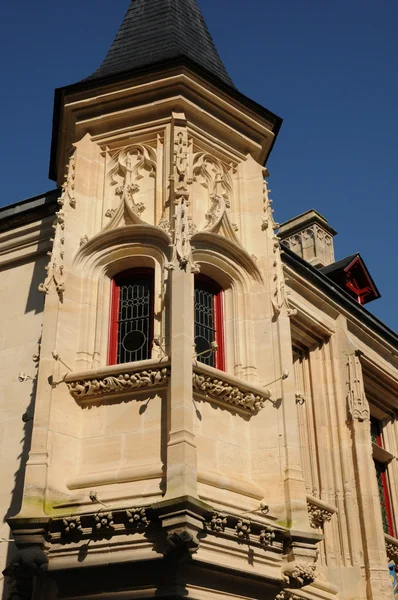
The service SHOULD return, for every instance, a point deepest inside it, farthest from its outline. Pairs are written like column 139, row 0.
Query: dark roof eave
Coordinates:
column 29, row 210
column 159, row 67
column 338, row 295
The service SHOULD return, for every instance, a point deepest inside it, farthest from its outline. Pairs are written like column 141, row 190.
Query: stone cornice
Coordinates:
column 117, row 380
column 227, row 390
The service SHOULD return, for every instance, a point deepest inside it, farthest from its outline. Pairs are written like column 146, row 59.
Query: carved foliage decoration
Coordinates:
column 392, row 550
column 116, row 384
column 68, row 187
column 129, row 168
column 55, row 267
column 357, row 403
column 218, row 389
column 298, row 574
column 280, row 296
column 215, row 177
column 182, row 226
column 318, row 515
column 268, row 219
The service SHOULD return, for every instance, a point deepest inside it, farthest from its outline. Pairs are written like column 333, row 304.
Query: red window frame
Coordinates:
column 117, row 280
column 218, row 306
column 381, row 470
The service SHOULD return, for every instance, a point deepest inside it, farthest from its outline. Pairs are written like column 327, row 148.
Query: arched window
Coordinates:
column 209, row 322
column 131, row 323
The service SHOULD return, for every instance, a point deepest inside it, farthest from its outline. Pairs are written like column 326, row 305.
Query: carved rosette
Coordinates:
column 267, row 536
column 104, row 521
column 218, row 522
column 221, row 390
column 137, row 518
column 72, row 526
column 243, row 529
column 90, row 388
column 357, row 402
column 55, row 267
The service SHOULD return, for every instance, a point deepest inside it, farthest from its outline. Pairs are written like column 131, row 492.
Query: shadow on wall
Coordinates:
column 35, row 302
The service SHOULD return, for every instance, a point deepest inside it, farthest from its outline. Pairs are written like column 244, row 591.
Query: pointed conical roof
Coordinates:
column 154, row 31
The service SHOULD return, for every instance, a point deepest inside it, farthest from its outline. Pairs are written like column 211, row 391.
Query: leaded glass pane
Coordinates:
column 134, row 320
column 205, row 332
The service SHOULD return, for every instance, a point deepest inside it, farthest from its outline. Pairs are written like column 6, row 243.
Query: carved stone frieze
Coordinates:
column 358, row 405
column 89, row 388
column 68, row 187
column 223, row 390
column 55, row 267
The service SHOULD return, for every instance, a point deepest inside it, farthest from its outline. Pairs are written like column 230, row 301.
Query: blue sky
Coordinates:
column 328, row 68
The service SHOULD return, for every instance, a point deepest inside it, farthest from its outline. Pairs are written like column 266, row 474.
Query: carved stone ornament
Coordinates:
column 72, row 526
column 183, row 541
column 268, row 219
column 26, row 567
column 298, row 574
column 55, row 267
column 116, row 384
column 215, row 176
column 68, row 187
column 280, row 297
column 267, row 536
column 392, row 548
column 318, row 515
column 104, row 521
column 243, row 528
column 357, row 402
column 137, row 518
column 285, row 595
column 218, row 522
column 127, row 167
column 219, row 389
column 179, row 188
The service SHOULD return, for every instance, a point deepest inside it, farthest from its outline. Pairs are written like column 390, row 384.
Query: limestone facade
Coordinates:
column 167, row 477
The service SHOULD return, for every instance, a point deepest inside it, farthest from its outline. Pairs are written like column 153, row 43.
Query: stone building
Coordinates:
column 192, row 404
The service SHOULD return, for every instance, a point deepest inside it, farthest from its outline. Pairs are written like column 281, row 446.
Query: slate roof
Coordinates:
column 339, row 265
column 154, row 31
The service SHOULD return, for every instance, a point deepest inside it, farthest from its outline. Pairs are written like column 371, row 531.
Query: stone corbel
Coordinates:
column 319, row 512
